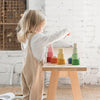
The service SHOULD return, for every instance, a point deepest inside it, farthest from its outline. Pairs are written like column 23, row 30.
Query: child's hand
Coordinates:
column 67, row 35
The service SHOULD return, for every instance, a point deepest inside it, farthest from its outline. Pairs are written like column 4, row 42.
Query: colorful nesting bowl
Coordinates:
column 60, row 61
column 54, row 60
column 75, row 61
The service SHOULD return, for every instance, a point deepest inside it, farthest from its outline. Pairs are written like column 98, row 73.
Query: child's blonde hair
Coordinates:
column 30, row 20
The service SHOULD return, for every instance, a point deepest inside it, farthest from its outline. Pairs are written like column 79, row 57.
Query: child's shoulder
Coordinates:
column 38, row 35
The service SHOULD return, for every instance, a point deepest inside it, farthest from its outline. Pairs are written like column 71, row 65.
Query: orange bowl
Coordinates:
column 54, row 59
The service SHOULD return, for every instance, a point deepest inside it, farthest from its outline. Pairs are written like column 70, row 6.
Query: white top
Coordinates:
column 40, row 41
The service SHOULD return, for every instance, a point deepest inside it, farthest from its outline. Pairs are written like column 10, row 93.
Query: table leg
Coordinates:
column 75, row 85
column 53, row 85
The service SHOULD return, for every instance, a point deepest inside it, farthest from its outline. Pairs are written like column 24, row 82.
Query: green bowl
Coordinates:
column 75, row 61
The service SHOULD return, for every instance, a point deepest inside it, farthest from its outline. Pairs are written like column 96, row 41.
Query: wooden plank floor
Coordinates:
column 14, row 89
column 88, row 93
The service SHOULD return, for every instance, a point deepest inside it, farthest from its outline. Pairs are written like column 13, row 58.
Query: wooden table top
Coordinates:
column 66, row 67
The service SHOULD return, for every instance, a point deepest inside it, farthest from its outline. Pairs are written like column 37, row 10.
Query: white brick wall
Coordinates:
column 37, row 4
column 10, row 60
column 82, row 16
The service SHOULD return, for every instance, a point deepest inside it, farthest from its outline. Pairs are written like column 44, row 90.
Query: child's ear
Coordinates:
column 36, row 29
column 33, row 30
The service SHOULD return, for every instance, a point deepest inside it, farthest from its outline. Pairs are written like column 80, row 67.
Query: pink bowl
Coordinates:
column 49, row 54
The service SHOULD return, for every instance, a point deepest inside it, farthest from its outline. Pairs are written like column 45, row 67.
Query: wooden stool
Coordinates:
column 66, row 70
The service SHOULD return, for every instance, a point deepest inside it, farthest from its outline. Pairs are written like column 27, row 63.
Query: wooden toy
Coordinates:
column 70, row 60
column 75, row 60
column 49, row 53
column 54, row 59
column 60, row 59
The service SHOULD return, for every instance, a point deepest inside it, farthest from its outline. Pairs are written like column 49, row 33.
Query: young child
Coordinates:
column 33, row 43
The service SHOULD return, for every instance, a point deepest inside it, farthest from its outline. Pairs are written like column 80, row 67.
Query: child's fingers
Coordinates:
column 68, row 34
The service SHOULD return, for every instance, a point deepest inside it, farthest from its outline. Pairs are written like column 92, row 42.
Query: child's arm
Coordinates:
column 50, row 38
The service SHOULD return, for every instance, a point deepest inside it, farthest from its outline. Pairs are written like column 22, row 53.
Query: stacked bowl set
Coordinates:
column 60, row 60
